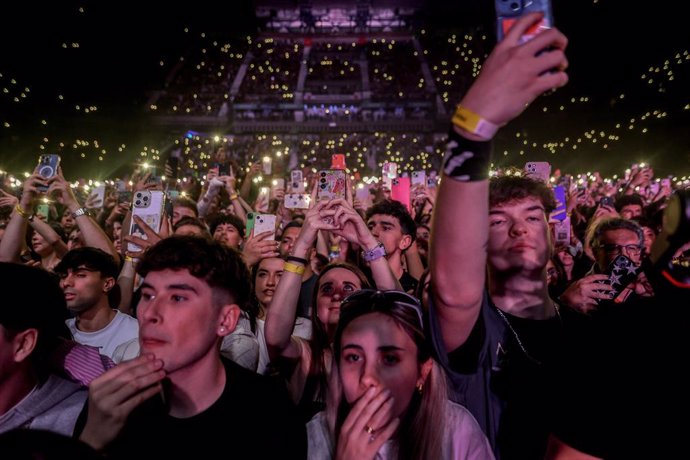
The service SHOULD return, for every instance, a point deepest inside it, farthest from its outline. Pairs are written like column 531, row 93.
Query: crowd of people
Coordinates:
column 485, row 316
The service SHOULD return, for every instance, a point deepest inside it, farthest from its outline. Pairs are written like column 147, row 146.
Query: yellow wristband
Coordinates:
column 293, row 268
column 468, row 120
column 233, row 197
column 21, row 212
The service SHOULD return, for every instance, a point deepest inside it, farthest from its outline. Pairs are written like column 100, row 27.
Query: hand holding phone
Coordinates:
column 47, row 168
column 508, row 12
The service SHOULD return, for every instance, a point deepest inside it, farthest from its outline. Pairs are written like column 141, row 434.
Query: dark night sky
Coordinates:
column 612, row 43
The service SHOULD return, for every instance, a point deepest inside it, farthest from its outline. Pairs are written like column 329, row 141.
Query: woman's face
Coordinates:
column 267, row 277
column 40, row 245
column 377, row 352
column 565, row 257
column 334, row 286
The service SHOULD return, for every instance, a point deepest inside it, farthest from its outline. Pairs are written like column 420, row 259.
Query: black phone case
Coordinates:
column 621, row 271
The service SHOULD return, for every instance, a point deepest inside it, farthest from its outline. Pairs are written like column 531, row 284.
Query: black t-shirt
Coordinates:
column 253, row 419
column 506, row 390
column 408, row 282
column 305, row 296
column 626, row 387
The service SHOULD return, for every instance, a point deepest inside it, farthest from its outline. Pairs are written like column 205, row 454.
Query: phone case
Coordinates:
column 400, row 191
column 43, row 209
column 622, row 271
column 332, row 184
column 418, row 177
column 507, row 12
column 266, row 165
column 363, row 194
column 559, row 214
column 561, row 231
column 47, row 167
column 540, row 170
column 390, row 171
column 296, row 201
column 265, row 223
column 277, row 184
column 338, row 161
column 249, row 226
column 99, row 193
column 296, row 182
column 148, row 205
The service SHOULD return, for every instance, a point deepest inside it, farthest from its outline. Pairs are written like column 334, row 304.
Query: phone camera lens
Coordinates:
column 138, row 202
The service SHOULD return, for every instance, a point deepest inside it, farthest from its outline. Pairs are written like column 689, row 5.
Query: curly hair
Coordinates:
column 504, row 189
column 397, row 210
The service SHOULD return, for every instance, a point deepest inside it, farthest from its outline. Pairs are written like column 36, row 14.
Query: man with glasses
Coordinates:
column 608, row 238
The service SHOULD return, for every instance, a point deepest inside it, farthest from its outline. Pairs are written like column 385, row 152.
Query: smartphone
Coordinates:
column 400, row 191
column 224, row 169
column 172, row 195
column 419, row 178
column 561, row 231
column 149, row 206
column 266, row 165
column 296, row 181
column 43, row 210
column 296, row 200
column 621, row 271
column 607, row 201
column 390, row 171
column 124, row 196
column 332, row 184
column 363, row 194
column 277, row 184
column 249, row 226
column 540, row 170
column 265, row 223
column 508, row 11
column 98, row 194
column 338, row 161
column 559, row 213
column 431, row 182
column 154, row 178
column 47, row 167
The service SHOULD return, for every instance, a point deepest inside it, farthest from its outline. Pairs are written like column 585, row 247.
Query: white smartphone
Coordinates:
column 540, row 170
column 99, row 194
column 297, row 200
column 418, row 178
column 296, row 181
column 265, row 223
column 149, row 206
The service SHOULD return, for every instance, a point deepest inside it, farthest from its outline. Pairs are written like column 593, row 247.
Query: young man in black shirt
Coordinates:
column 180, row 399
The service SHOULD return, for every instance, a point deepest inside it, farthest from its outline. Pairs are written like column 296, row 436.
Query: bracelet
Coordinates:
column 299, row 260
column 22, row 213
column 466, row 160
column 468, row 120
column 292, row 268
column 80, row 212
column 233, row 197
column 375, row 253
column 130, row 259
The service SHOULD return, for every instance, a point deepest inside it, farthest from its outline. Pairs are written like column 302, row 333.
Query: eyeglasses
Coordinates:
column 373, row 295
column 616, row 249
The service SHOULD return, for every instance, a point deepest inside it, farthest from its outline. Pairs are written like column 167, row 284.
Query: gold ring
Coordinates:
column 369, row 429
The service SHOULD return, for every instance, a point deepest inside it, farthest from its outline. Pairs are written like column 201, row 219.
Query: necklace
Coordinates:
column 517, row 337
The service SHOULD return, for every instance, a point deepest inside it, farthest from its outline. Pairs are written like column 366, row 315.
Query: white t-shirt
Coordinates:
column 122, row 328
column 302, row 329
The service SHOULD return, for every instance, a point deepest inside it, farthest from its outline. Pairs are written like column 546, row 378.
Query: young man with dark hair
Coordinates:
column 181, row 399
column 32, row 326
column 191, row 226
column 495, row 330
column 88, row 278
column 184, row 207
column 629, row 206
column 228, row 229
column 394, row 228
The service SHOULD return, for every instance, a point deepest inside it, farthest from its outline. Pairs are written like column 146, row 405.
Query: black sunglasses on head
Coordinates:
column 373, row 295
